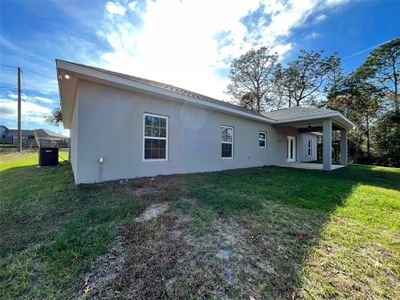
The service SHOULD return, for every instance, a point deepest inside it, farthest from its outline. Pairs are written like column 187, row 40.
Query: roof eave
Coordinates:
column 67, row 91
column 66, row 123
column 344, row 121
column 87, row 72
column 84, row 72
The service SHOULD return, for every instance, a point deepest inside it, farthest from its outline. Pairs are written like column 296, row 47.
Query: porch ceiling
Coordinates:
column 316, row 126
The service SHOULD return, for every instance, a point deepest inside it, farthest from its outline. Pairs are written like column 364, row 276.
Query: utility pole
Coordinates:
column 19, row 112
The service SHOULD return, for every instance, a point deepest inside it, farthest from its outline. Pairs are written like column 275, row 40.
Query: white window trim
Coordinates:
column 155, row 138
column 294, row 149
column 222, row 142
column 265, row 139
column 309, row 147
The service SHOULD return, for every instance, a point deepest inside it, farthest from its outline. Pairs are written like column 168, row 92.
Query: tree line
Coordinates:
column 368, row 96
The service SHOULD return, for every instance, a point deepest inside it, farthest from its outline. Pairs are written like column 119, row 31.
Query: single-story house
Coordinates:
column 28, row 135
column 46, row 134
column 124, row 127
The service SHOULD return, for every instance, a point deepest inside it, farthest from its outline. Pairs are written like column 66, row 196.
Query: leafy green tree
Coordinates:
column 386, row 136
column 337, row 82
column 55, row 117
column 382, row 68
column 252, row 78
column 247, row 101
column 279, row 97
column 303, row 78
column 359, row 101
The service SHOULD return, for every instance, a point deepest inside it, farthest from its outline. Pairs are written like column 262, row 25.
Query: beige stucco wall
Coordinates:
column 111, row 126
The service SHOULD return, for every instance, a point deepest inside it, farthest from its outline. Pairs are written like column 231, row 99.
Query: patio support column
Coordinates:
column 343, row 147
column 327, row 145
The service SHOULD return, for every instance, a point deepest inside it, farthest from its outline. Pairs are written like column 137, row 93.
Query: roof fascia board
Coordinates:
column 60, row 92
column 347, row 122
column 154, row 90
column 344, row 122
column 67, row 118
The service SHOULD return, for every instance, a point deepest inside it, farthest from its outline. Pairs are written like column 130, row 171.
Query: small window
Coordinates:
column 226, row 142
column 309, row 147
column 262, row 139
column 155, row 137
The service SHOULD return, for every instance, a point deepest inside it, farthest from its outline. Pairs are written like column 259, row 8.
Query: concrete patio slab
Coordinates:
column 308, row 166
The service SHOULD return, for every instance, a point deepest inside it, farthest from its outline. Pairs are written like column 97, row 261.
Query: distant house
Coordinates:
column 3, row 131
column 45, row 134
column 10, row 136
column 125, row 126
column 27, row 134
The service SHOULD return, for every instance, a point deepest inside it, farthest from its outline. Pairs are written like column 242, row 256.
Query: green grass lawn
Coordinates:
column 289, row 234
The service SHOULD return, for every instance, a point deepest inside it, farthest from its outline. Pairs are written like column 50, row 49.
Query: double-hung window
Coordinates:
column 262, row 139
column 226, row 142
column 155, row 137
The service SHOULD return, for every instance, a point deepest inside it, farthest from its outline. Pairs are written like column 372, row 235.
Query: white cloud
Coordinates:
column 44, row 99
column 311, row 36
column 132, row 5
column 177, row 41
column 31, row 112
column 115, row 8
column 37, row 98
column 15, row 96
column 335, row 2
column 320, row 18
column 8, row 44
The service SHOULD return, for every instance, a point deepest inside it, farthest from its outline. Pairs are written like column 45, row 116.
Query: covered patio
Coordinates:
column 309, row 120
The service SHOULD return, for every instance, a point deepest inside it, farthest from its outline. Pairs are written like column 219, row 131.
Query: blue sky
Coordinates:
column 187, row 43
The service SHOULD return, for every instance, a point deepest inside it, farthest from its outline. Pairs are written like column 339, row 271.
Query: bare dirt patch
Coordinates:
column 231, row 258
column 152, row 212
column 164, row 260
column 157, row 188
column 240, row 257
column 154, row 255
column 104, row 277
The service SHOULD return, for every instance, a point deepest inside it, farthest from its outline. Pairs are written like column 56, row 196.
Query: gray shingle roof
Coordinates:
column 42, row 133
column 171, row 88
column 297, row 112
column 23, row 131
column 277, row 116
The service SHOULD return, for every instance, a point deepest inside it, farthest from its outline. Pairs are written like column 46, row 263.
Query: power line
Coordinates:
column 29, row 70
column 9, row 66
column 7, row 87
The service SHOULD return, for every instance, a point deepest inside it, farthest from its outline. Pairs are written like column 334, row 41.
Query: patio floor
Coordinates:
column 308, row 166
